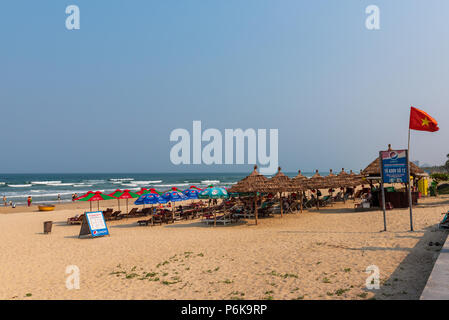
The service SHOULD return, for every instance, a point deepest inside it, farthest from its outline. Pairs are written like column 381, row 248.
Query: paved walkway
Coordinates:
column 437, row 287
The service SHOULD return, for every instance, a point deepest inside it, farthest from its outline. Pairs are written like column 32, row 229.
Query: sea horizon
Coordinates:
column 45, row 187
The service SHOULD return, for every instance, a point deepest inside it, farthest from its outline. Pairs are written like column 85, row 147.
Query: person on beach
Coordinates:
column 29, row 201
column 4, row 201
column 59, row 197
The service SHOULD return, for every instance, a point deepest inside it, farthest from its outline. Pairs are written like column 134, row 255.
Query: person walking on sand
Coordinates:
column 29, row 201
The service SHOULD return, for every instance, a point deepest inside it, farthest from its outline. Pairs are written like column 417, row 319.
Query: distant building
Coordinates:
column 416, row 162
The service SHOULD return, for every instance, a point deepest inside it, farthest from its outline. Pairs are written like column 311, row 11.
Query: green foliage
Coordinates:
column 440, row 176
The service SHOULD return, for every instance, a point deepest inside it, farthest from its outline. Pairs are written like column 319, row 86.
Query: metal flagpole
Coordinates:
column 409, row 183
column 382, row 188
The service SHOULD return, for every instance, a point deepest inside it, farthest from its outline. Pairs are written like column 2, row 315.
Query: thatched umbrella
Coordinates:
column 253, row 183
column 279, row 183
column 300, row 183
column 357, row 179
column 317, row 182
column 345, row 180
column 332, row 180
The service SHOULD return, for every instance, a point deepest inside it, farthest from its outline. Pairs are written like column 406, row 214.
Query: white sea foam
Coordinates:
column 210, row 181
column 121, row 179
column 19, row 185
column 93, row 181
column 60, row 184
column 129, row 185
column 2, row 183
column 171, row 185
column 147, row 182
column 45, row 182
column 82, row 185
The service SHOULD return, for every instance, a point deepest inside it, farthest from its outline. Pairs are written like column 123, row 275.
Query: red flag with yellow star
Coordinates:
column 419, row 120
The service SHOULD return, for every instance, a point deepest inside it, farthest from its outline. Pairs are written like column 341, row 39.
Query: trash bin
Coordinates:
column 47, row 226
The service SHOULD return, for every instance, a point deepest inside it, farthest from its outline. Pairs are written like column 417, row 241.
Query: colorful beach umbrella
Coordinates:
column 174, row 196
column 214, row 193
column 150, row 198
column 142, row 191
column 115, row 194
column 191, row 194
column 152, row 190
column 126, row 194
column 95, row 196
column 84, row 195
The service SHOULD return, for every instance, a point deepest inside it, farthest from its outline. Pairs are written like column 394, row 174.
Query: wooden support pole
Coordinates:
column 255, row 209
column 280, row 200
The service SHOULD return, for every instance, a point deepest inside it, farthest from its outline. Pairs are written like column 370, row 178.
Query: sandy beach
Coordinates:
column 311, row 255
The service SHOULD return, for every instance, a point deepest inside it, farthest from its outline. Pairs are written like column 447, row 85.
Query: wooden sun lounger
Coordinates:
column 157, row 218
column 76, row 219
column 145, row 222
column 223, row 219
column 246, row 215
column 117, row 215
column 168, row 218
column 132, row 213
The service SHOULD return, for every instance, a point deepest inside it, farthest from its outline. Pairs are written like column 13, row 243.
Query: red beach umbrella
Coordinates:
column 126, row 194
column 95, row 196
column 142, row 191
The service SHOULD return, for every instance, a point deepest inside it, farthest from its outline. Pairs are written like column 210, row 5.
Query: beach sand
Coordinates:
column 311, row 255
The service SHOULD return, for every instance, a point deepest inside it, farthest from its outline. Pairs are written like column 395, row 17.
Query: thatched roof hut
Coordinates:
column 373, row 169
column 300, row 182
column 317, row 181
column 280, row 182
column 255, row 182
column 332, row 181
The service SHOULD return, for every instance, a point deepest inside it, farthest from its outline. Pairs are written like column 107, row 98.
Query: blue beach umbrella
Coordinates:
column 174, row 196
column 150, row 198
column 191, row 193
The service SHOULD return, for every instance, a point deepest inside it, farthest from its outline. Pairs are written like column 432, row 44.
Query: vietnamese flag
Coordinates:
column 419, row 120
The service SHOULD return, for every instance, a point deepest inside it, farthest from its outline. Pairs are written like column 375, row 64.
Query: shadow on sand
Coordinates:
column 421, row 257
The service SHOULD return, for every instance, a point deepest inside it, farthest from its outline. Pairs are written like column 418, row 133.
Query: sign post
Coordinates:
column 394, row 169
column 94, row 224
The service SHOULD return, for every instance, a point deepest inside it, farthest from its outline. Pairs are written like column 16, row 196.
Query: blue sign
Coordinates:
column 97, row 224
column 394, row 166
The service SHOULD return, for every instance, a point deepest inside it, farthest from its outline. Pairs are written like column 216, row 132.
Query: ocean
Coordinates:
column 45, row 188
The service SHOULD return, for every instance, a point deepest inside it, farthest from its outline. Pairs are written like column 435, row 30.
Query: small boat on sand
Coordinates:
column 46, row 207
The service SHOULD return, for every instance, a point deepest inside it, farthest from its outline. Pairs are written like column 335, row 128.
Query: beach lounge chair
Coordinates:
column 145, row 222
column 338, row 197
column 444, row 224
column 221, row 219
column 117, row 215
column 168, row 218
column 325, row 201
column 107, row 215
column 310, row 203
column 132, row 213
column 76, row 219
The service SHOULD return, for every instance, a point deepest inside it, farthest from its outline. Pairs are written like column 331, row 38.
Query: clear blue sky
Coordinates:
column 106, row 97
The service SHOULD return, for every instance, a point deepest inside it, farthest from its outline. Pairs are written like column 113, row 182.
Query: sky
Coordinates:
column 106, row 97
